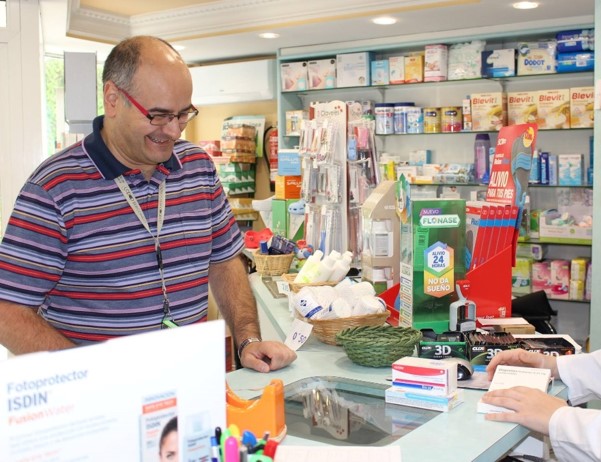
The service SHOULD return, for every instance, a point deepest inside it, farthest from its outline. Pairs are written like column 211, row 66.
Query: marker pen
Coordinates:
column 215, row 457
column 232, row 454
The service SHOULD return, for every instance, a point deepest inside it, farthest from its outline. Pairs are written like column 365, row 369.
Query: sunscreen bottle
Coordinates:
column 312, row 261
column 341, row 268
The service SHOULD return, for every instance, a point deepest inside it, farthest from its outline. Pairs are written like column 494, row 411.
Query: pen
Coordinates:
column 243, row 453
column 232, row 453
column 215, row 457
column 249, row 438
column 270, row 447
column 234, row 430
column 218, row 434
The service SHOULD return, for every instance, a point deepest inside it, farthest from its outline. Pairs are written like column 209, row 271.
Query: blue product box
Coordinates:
column 498, row 63
column 553, row 170
column 289, row 163
column 576, row 61
column 380, row 72
column 544, row 168
column 575, row 40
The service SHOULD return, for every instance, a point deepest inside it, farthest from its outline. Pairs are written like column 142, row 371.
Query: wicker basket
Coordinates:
column 378, row 346
column 297, row 286
column 272, row 265
column 326, row 329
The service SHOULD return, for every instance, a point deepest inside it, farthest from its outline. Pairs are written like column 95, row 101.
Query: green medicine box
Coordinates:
column 283, row 223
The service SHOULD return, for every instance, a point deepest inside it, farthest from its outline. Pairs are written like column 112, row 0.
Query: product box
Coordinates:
column 465, row 60
column 578, row 61
column 421, row 375
column 443, row 347
column 287, row 187
column 294, row 121
column 521, row 276
column 353, row 69
column 396, row 68
column 553, row 109
column 483, row 347
column 414, row 68
column 498, row 63
column 551, row 344
column 432, row 258
column 380, row 72
column 294, row 76
column 466, row 109
column 289, row 162
column 322, row 73
column 537, row 57
column 560, row 279
column 393, row 395
column 489, row 111
column 522, row 107
column 541, row 276
column 284, row 223
column 581, row 107
column 570, row 169
column 435, row 63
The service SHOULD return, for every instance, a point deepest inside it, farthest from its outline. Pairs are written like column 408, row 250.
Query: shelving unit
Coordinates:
column 458, row 147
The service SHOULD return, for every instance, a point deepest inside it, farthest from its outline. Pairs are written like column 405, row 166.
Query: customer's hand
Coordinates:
column 266, row 356
column 533, row 408
column 521, row 357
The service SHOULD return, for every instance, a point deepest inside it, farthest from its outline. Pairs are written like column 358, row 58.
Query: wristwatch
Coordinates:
column 245, row 343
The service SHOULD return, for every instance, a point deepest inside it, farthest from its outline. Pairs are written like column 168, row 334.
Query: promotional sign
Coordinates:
column 124, row 399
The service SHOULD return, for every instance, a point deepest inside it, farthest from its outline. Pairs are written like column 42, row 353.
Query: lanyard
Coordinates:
column 135, row 205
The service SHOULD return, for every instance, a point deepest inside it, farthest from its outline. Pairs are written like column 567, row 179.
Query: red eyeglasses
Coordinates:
column 162, row 118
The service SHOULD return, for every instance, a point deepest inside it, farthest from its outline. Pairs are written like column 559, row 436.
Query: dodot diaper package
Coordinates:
column 537, row 57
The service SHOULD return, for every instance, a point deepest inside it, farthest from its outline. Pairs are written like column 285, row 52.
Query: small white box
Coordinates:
column 553, row 109
column 322, row 73
column 498, row 63
column 380, row 72
column 570, row 169
column 427, row 376
column 353, row 69
column 435, row 63
column 393, row 395
column 294, row 76
column 581, row 107
column 396, row 66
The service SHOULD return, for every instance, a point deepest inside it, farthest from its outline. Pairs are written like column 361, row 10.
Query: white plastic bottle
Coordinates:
column 322, row 271
column 312, row 261
column 341, row 268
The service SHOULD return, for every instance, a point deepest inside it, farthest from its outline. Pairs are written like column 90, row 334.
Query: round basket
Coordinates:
column 326, row 329
column 272, row 265
column 297, row 286
column 378, row 346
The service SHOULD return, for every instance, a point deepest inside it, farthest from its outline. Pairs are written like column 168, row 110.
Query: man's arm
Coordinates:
column 236, row 302
column 22, row 330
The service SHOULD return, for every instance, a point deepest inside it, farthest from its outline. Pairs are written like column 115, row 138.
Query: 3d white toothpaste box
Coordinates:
column 426, row 376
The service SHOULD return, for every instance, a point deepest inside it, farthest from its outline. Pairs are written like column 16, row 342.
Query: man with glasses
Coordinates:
column 122, row 233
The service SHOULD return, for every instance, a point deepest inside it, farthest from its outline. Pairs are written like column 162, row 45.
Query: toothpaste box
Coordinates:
column 425, row 376
column 353, row 69
column 294, row 76
column 394, row 395
column 553, row 109
column 489, row 111
column 522, row 107
column 498, row 63
column 537, row 57
column 396, row 67
column 322, row 73
column 581, row 107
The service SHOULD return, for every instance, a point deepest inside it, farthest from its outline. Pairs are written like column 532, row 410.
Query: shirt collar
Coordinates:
column 105, row 161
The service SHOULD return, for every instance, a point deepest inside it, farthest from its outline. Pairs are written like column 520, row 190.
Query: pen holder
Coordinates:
column 263, row 414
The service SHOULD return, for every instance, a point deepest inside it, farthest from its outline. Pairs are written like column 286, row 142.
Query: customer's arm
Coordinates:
column 231, row 289
column 22, row 330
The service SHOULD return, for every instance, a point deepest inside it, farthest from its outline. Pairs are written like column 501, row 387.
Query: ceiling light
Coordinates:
column 525, row 5
column 384, row 20
column 269, row 35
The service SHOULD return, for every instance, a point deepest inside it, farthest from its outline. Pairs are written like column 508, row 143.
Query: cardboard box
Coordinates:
column 414, row 68
column 521, row 276
column 294, row 76
column 553, row 109
column 393, row 395
column 570, row 169
column 396, row 68
column 522, row 107
column 288, row 187
column 428, row 376
column 489, row 111
column 353, row 69
column 283, row 223
column 537, row 57
column 498, row 63
column 380, row 72
column 581, row 107
column 322, row 73
column 435, row 63
column 483, row 347
column 294, row 121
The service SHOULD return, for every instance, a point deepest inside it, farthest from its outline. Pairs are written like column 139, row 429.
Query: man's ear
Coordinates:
column 111, row 97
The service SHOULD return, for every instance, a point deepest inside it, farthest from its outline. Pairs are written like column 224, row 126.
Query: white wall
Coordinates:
column 21, row 113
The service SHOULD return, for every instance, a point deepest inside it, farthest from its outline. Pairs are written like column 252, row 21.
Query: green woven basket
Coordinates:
column 378, row 346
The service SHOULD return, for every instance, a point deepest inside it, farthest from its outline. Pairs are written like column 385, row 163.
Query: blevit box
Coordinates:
column 393, row 395
column 435, row 63
column 294, row 76
column 553, row 109
column 396, row 67
column 414, row 68
column 581, row 107
column 537, row 57
column 322, row 73
column 489, row 111
column 522, row 107
column 498, row 63
column 380, row 72
column 353, row 69
column 425, row 376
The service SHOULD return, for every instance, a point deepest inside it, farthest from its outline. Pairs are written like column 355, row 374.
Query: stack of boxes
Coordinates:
column 287, row 210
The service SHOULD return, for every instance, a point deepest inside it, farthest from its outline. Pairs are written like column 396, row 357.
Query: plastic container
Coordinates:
column 431, row 120
column 451, row 119
column 311, row 263
column 384, row 113
column 481, row 149
column 400, row 117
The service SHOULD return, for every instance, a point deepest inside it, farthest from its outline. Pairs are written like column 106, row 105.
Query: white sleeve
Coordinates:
column 575, row 434
column 582, row 375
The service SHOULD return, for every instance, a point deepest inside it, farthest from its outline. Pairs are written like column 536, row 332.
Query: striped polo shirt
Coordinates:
column 75, row 249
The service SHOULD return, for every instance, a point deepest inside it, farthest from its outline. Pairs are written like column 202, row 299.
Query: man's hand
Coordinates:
column 266, row 356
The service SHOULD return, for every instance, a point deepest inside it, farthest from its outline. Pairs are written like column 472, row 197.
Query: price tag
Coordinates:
column 283, row 287
column 298, row 334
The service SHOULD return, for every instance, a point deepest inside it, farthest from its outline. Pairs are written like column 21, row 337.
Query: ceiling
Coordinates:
column 223, row 30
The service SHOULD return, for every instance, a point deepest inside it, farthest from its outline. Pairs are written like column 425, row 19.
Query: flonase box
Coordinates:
column 432, row 258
